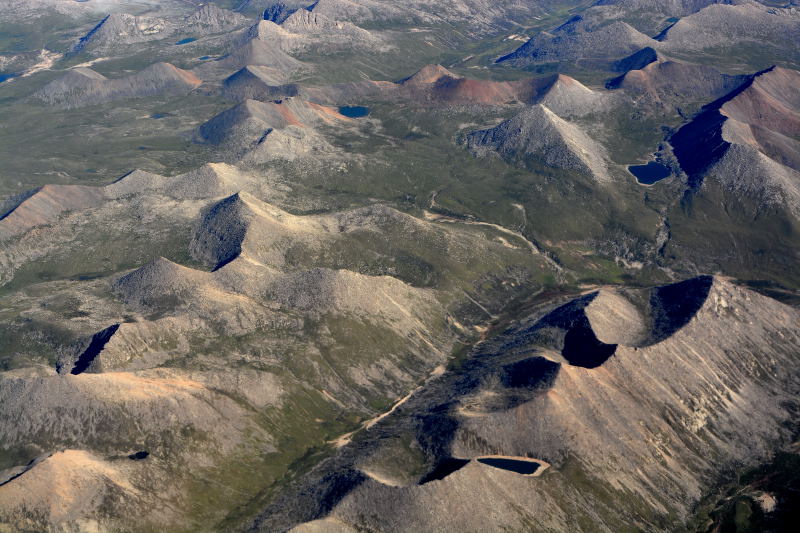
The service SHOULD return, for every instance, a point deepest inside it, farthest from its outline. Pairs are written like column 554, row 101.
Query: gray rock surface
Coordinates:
column 82, row 86
column 648, row 425
column 539, row 134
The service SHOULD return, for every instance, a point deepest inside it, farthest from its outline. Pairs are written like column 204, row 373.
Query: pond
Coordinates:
column 139, row 456
column 354, row 111
column 6, row 77
column 187, row 40
column 650, row 173
column 520, row 466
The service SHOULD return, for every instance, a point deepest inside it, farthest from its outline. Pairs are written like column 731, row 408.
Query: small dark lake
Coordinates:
column 514, row 465
column 354, row 111
column 187, row 40
column 139, row 456
column 6, row 77
column 204, row 58
column 650, row 173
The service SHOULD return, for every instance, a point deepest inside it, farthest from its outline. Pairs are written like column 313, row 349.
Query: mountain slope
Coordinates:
column 82, row 86
column 579, row 39
column 434, row 85
column 253, row 52
column 539, row 134
column 676, row 83
column 749, row 139
column 641, row 428
column 746, row 23
column 257, row 83
column 283, row 129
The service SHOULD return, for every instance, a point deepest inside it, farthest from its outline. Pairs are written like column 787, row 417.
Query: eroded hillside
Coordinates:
column 360, row 265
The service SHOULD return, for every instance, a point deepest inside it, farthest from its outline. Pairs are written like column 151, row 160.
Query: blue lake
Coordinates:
column 650, row 173
column 354, row 111
column 6, row 77
column 187, row 40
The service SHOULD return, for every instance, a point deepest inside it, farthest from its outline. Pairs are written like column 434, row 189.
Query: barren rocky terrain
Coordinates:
column 362, row 265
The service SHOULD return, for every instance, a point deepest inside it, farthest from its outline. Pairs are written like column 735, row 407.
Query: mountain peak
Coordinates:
column 428, row 74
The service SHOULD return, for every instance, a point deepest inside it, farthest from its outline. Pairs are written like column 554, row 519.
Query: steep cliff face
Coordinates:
column 632, row 402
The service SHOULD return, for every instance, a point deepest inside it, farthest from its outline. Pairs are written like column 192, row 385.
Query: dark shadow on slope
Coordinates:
column 10, row 204
column 699, row 144
column 96, row 345
column 582, row 347
column 535, row 373
column 223, row 228
column 316, row 500
column 526, row 468
column 444, row 468
column 26, row 469
column 636, row 61
column 568, row 330
column 673, row 306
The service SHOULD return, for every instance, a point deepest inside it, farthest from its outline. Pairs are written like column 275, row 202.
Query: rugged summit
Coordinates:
column 254, row 52
column 120, row 30
column 212, row 19
column 257, row 83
